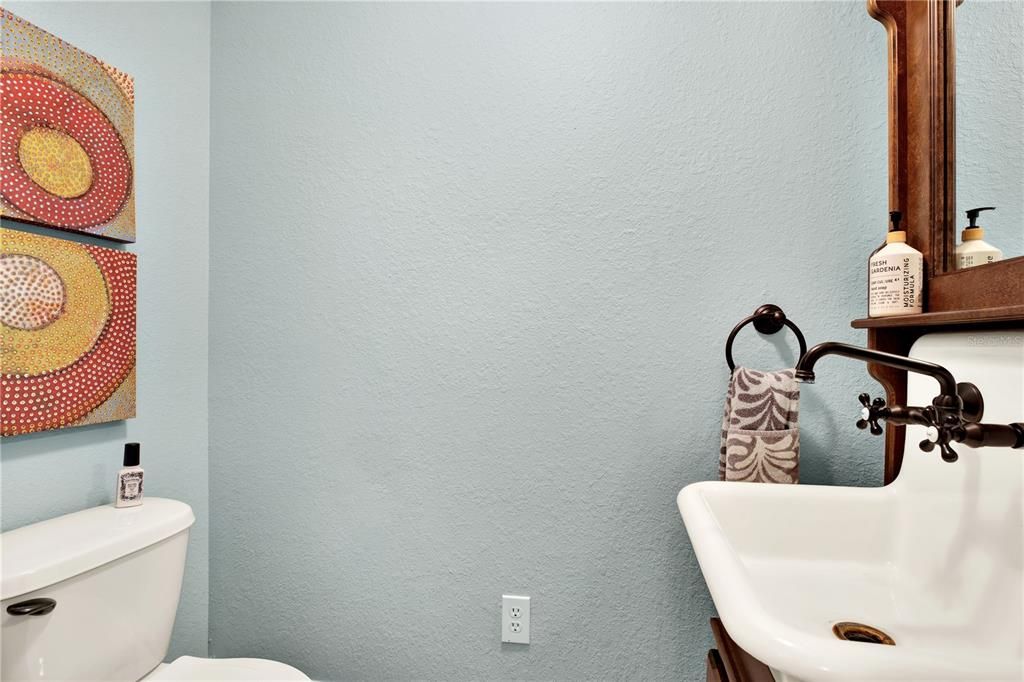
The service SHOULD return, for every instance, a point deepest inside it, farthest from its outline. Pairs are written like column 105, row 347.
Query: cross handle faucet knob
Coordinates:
column 871, row 413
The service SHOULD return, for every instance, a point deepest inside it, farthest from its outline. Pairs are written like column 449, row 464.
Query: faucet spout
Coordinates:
column 948, row 398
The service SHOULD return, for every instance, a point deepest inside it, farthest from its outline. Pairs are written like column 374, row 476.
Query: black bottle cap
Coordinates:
column 894, row 220
column 972, row 215
column 131, row 454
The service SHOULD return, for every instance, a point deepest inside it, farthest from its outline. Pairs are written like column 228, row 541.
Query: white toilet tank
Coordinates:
column 115, row 575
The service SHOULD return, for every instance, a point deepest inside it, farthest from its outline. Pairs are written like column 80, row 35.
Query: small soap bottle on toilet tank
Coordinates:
column 895, row 275
column 129, row 479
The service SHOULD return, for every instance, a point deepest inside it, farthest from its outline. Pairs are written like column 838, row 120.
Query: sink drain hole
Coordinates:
column 859, row 632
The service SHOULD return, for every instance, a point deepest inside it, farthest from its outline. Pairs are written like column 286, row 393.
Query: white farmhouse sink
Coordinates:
column 934, row 560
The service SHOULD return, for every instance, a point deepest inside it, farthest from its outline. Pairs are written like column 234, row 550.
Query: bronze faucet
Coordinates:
column 953, row 415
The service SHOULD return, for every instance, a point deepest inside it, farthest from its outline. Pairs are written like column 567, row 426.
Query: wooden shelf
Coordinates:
column 946, row 318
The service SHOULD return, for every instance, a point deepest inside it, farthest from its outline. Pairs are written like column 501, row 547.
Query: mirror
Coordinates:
column 989, row 130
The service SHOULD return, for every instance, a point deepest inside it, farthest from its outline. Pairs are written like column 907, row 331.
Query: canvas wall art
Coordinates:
column 67, row 135
column 67, row 333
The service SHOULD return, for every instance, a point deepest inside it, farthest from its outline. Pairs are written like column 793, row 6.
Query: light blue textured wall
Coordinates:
column 473, row 269
column 166, row 46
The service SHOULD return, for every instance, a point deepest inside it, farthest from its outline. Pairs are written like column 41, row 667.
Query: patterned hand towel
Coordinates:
column 760, row 433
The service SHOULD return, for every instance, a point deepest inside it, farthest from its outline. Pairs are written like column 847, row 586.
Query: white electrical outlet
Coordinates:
column 515, row 619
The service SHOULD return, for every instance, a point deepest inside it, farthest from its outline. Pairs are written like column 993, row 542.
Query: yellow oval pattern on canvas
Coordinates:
column 56, row 162
column 82, row 318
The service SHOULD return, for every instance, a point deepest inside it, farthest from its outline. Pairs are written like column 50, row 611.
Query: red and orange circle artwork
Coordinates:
column 40, row 179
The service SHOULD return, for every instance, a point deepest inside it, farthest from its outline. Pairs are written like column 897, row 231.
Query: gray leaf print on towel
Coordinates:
column 760, row 433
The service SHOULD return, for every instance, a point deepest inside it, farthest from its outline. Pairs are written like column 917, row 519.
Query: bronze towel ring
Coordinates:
column 767, row 319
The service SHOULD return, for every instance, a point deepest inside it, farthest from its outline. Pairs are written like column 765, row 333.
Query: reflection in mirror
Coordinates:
column 989, row 130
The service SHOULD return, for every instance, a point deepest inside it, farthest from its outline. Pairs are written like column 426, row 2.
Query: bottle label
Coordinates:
column 895, row 284
column 130, row 486
column 969, row 260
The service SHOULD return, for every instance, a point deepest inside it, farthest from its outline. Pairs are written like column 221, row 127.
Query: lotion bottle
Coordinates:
column 895, row 275
column 974, row 250
column 129, row 479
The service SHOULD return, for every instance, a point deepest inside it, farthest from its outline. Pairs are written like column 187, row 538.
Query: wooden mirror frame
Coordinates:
column 922, row 133
column 922, row 184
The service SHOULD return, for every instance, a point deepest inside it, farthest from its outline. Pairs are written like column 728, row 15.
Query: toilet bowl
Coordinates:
column 192, row 668
column 93, row 596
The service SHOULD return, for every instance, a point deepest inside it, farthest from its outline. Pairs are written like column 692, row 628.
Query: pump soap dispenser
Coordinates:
column 974, row 250
column 895, row 275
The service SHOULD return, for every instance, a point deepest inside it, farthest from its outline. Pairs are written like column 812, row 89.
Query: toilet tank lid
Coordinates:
column 45, row 553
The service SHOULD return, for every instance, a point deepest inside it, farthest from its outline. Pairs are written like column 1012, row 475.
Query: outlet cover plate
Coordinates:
column 515, row 619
